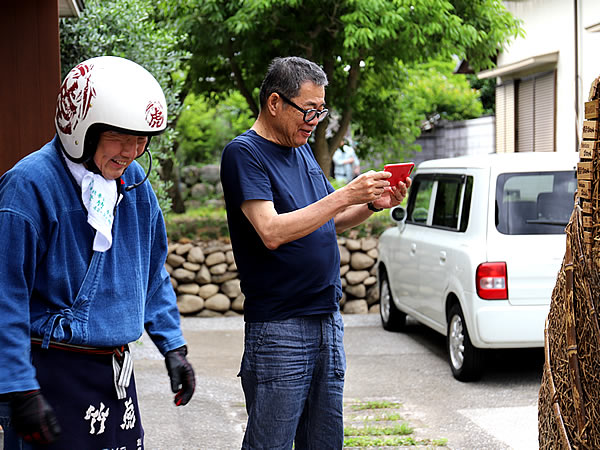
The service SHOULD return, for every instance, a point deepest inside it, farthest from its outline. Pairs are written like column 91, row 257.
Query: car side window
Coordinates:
column 466, row 208
column 452, row 202
column 446, row 198
column 447, row 203
column 420, row 199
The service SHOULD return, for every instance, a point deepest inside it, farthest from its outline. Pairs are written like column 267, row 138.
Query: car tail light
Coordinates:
column 491, row 281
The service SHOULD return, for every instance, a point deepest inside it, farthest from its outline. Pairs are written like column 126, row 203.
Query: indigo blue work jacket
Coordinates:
column 53, row 286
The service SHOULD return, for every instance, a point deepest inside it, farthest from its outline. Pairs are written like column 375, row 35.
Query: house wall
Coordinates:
column 30, row 77
column 549, row 27
column 456, row 138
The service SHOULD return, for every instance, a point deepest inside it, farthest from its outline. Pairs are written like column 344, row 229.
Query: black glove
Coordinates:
column 183, row 381
column 33, row 418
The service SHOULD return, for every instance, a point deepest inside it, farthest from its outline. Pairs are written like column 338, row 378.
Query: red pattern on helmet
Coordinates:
column 155, row 115
column 75, row 98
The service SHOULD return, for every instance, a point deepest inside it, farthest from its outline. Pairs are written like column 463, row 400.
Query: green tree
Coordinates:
column 364, row 46
column 138, row 30
column 487, row 92
column 429, row 92
column 206, row 125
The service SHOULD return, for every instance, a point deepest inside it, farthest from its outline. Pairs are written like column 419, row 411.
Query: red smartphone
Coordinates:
column 400, row 172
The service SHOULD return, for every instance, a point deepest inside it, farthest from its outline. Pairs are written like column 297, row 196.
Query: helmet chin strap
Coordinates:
column 133, row 186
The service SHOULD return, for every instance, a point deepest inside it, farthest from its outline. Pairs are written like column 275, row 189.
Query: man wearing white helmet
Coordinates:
column 85, row 275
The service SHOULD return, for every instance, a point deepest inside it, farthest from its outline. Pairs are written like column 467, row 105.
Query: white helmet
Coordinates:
column 107, row 93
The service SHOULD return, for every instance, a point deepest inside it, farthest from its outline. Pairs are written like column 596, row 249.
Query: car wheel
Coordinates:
column 466, row 361
column 392, row 318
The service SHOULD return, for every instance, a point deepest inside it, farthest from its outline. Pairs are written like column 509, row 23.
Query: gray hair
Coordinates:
column 286, row 75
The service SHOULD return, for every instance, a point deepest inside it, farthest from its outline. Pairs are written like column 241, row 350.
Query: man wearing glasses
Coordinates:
column 283, row 215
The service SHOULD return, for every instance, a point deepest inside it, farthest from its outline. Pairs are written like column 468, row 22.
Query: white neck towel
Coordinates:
column 99, row 197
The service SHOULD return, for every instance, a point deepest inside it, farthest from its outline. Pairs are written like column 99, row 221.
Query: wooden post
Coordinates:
column 30, row 77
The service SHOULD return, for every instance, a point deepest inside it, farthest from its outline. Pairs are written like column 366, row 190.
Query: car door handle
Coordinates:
column 413, row 248
column 442, row 256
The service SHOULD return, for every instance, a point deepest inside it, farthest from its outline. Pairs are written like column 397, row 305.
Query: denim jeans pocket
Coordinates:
column 254, row 333
column 278, row 352
column 339, row 355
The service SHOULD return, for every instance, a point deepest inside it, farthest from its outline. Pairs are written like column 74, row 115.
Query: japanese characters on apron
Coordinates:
column 92, row 390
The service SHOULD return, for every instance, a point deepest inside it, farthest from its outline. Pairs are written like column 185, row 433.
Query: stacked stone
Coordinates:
column 358, row 258
column 201, row 185
column 205, row 277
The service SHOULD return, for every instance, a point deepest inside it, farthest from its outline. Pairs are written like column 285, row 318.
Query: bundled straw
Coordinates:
column 569, row 397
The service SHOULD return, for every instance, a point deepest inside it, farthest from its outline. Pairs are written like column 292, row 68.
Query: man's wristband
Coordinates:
column 372, row 208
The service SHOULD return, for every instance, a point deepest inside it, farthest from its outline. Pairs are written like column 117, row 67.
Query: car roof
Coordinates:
column 502, row 162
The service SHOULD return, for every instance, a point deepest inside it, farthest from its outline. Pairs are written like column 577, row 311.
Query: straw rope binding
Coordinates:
column 569, row 396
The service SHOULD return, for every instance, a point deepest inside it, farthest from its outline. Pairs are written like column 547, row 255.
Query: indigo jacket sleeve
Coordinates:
column 161, row 320
column 19, row 247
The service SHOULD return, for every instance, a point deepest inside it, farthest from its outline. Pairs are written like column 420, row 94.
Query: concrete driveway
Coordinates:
column 498, row 412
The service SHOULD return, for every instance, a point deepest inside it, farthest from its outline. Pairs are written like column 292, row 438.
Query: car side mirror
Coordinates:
column 398, row 214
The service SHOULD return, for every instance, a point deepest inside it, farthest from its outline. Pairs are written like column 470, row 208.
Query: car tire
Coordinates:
column 466, row 361
column 392, row 318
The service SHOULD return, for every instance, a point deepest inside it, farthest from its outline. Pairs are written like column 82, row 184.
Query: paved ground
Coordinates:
column 499, row 412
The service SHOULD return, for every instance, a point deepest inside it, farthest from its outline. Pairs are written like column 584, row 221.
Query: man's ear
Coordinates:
column 274, row 104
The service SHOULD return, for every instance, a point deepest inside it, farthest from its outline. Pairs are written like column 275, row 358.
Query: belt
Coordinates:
column 122, row 361
column 82, row 348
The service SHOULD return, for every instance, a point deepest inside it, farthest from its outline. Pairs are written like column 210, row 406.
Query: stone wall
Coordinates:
column 200, row 186
column 205, row 277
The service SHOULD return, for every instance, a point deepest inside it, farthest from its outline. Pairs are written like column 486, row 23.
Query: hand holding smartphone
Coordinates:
column 400, row 172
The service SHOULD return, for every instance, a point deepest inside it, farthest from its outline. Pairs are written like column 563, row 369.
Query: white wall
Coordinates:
column 550, row 27
column 589, row 60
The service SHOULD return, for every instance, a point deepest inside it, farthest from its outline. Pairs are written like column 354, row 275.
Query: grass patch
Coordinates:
column 369, row 441
column 206, row 223
column 201, row 212
column 373, row 226
column 388, row 417
column 209, row 222
column 373, row 430
column 375, row 405
column 379, row 423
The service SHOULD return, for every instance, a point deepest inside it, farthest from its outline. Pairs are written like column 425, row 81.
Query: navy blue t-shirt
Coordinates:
column 301, row 277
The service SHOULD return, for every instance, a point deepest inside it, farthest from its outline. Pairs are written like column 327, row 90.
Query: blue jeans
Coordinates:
column 11, row 440
column 293, row 379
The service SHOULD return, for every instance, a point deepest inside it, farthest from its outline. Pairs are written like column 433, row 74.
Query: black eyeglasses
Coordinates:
column 309, row 114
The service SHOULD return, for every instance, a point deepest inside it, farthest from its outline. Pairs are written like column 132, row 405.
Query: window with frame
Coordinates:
column 466, row 207
column 420, row 199
column 534, row 202
column 450, row 197
column 526, row 114
column 447, row 203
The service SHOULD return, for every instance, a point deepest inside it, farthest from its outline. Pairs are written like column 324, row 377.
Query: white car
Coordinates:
column 476, row 252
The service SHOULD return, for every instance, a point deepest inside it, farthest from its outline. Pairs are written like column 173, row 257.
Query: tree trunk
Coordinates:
column 170, row 173
column 239, row 80
column 320, row 148
column 323, row 149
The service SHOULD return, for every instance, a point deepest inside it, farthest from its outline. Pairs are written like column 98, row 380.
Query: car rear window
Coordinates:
column 534, row 202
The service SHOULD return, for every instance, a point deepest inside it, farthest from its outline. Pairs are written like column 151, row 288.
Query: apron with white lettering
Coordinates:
column 92, row 390
column 80, row 386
